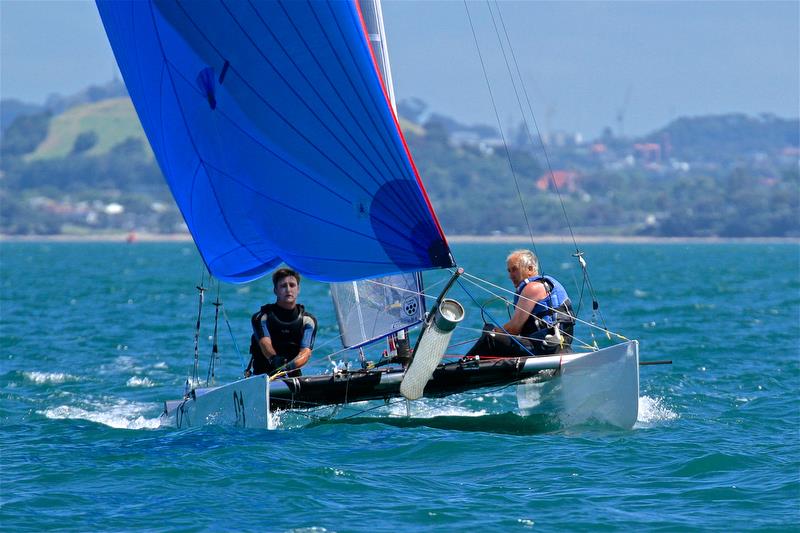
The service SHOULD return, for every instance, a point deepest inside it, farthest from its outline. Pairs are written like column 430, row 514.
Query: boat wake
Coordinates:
column 120, row 414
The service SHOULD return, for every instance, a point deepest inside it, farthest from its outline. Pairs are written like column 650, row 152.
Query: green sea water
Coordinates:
column 95, row 337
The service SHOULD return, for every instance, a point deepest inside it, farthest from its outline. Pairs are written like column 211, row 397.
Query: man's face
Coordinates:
column 515, row 272
column 287, row 289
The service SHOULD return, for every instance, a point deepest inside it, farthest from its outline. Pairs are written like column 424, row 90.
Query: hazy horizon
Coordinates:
column 583, row 63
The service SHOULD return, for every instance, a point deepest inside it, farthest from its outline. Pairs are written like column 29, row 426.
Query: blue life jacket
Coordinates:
column 554, row 308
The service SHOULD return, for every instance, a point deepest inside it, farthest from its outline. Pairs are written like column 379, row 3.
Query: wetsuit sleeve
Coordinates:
column 259, row 322
column 309, row 332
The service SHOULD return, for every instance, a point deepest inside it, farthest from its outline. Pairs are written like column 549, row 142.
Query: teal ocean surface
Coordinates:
column 95, row 337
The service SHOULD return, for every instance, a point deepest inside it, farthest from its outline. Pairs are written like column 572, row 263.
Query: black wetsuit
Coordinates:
column 289, row 330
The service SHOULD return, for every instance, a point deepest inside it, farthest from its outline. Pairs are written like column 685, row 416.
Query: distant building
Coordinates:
column 564, row 180
column 648, row 152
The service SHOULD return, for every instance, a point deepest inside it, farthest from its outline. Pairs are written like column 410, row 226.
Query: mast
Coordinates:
column 373, row 19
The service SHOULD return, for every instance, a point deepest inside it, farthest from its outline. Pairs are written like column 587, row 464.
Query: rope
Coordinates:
column 530, row 109
column 578, row 253
column 474, row 280
column 233, row 338
column 513, row 337
column 210, row 376
column 201, row 290
column 500, row 127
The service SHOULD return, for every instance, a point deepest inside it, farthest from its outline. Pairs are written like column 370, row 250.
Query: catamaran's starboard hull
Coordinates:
column 602, row 385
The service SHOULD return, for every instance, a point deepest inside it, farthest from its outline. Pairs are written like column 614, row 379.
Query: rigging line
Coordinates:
column 500, row 126
column 468, row 341
column 580, row 298
column 578, row 253
column 289, row 123
column 233, row 338
column 212, row 364
column 535, row 123
column 201, row 290
column 467, row 276
column 514, row 338
column 404, row 289
column 506, row 334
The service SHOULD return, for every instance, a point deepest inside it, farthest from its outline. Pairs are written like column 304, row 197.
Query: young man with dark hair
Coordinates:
column 283, row 332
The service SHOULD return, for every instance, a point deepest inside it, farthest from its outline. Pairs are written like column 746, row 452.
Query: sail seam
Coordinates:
column 305, row 103
column 376, row 220
column 400, row 131
column 392, row 148
column 260, row 97
column 191, row 139
column 294, row 208
column 262, row 145
column 322, row 71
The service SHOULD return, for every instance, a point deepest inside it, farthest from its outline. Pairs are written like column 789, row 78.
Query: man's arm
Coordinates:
column 532, row 293
column 301, row 359
column 265, row 343
column 306, row 344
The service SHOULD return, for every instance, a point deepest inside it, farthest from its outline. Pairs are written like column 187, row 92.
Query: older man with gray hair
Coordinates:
column 543, row 321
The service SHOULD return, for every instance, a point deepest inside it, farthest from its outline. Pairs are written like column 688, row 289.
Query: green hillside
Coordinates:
column 729, row 175
column 112, row 121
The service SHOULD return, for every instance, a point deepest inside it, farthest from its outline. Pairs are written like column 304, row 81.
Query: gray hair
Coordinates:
column 525, row 259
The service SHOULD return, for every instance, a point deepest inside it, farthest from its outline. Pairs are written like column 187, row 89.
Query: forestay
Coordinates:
column 274, row 132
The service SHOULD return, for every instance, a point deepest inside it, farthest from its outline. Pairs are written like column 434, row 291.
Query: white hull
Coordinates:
column 243, row 403
column 601, row 386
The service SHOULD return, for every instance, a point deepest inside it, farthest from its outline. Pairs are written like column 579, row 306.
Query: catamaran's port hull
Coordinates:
column 607, row 379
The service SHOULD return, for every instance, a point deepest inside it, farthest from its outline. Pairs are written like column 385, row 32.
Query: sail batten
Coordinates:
column 275, row 136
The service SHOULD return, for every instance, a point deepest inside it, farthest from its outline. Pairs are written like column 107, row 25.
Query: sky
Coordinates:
column 584, row 64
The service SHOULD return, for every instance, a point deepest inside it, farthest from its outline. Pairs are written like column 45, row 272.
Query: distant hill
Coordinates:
column 94, row 93
column 11, row 108
column 109, row 122
column 732, row 136
column 729, row 175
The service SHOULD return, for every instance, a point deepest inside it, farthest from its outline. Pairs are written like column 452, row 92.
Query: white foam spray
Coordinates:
column 138, row 381
column 119, row 414
column 652, row 411
column 41, row 378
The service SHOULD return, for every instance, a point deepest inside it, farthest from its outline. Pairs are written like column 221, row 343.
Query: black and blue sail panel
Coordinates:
column 274, row 133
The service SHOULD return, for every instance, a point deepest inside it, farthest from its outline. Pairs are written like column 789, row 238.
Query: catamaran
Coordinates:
column 275, row 127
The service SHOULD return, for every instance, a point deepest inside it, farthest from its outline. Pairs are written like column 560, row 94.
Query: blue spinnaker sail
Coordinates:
column 273, row 130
